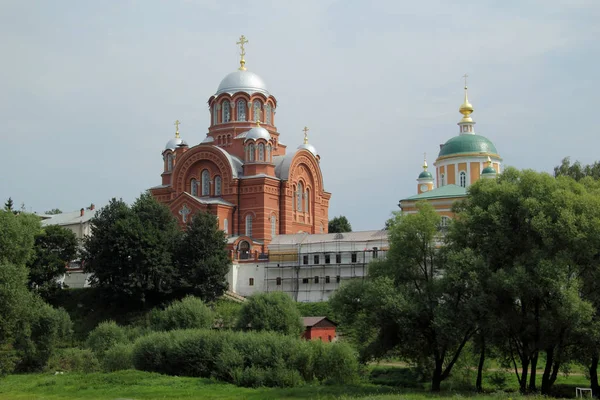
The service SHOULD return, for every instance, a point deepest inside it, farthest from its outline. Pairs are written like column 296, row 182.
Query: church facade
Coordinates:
column 243, row 173
column 461, row 161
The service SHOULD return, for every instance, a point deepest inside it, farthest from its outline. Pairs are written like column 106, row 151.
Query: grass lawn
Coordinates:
column 144, row 385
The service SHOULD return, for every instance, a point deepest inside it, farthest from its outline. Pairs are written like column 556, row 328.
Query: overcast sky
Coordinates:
column 89, row 90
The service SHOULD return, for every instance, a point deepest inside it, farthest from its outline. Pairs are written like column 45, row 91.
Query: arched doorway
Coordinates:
column 244, row 250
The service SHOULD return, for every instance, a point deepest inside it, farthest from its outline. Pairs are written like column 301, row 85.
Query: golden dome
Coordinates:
column 466, row 109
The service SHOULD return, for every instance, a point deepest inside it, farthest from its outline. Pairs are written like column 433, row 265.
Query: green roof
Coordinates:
column 488, row 170
column 467, row 143
column 425, row 175
column 441, row 192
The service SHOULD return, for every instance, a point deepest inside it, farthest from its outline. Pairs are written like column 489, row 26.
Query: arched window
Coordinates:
column 306, row 201
column 228, row 139
column 169, row 162
column 217, row 185
column 219, row 140
column 226, row 226
column 194, row 187
column 261, row 152
column 251, row 151
column 226, row 112
column 257, row 111
column 241, row 110
column 244, row 250
column 249, row 225
column 463, row 178
column 215, row 114
column 268, row 159
column 268, row 113
column 273, row 225
column 205, row 183
column 299, row 192
column 442, row 179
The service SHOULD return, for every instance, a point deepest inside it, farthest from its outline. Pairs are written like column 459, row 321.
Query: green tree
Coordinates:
column 54, row 211
column 54, row 247
column 421, row 302
column 528, row 229
column 273, row 311
column 576, row 170
column 339, row 224
column 201, row 257
column 9, row 205
column 29, row 328
column 130, row 248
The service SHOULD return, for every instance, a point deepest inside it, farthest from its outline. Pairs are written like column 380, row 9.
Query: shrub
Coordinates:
column 42, row 329
column 274, row 311
column 188, row 313
column 118, row 357
column 246, row 359
column 104, row 336
column 74, row 360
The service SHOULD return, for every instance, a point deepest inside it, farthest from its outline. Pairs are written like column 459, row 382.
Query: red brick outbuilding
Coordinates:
column 319, row 328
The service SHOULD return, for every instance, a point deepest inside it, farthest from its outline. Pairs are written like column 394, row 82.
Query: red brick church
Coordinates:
column 241, row 171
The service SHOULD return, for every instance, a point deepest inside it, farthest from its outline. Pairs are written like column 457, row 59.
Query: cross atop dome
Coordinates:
column 242, row 42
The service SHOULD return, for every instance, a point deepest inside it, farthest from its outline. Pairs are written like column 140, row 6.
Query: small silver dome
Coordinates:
column 258, row 132
column 309, row 147
column 242, row 81
column 174, row 143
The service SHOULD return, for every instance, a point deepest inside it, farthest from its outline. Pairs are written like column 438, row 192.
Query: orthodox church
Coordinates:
column 242, row 172
column 461, row 161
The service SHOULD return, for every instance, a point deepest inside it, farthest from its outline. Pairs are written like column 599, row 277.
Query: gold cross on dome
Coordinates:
column 305, row 134
column 177, row 127
column 465, row 76
column 242, row 42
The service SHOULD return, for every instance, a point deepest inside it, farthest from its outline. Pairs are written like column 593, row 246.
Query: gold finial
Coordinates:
column 242, row 42
column 258, row 123
column 424, row 161
column 489, row 162
column 305, row 134
column 466, row 108
column 177, row 128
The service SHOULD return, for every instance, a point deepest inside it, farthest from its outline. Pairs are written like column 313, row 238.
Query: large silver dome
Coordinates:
column 258, row 132
column 174, row 143
column 242, row 81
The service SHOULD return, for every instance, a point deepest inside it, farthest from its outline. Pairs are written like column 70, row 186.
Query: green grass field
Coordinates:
column 143, row 385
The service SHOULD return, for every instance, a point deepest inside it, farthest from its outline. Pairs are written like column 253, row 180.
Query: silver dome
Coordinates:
column 258, row 132
column 309, row 147
column 174, row 143
column 242, row 81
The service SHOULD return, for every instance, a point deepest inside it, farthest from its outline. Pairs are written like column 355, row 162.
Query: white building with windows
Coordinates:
column 309, row 267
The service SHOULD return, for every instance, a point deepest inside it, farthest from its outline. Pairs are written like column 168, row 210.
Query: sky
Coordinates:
column 89, row 90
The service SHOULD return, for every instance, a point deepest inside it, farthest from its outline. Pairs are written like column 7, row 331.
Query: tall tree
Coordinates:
column 201, row 257
column 9, row 205
column 130, row 249
column 576, row 170
column 420, row 301
column 526, row 227
column 339, row 224
column 54, row 247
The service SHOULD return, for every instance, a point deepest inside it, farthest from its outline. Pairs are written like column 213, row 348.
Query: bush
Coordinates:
column 274, row 311
column 246, row 359
column 73, row 360
column 188, row 313
column 118, row 357
column 42, row 329
column 105, row 336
